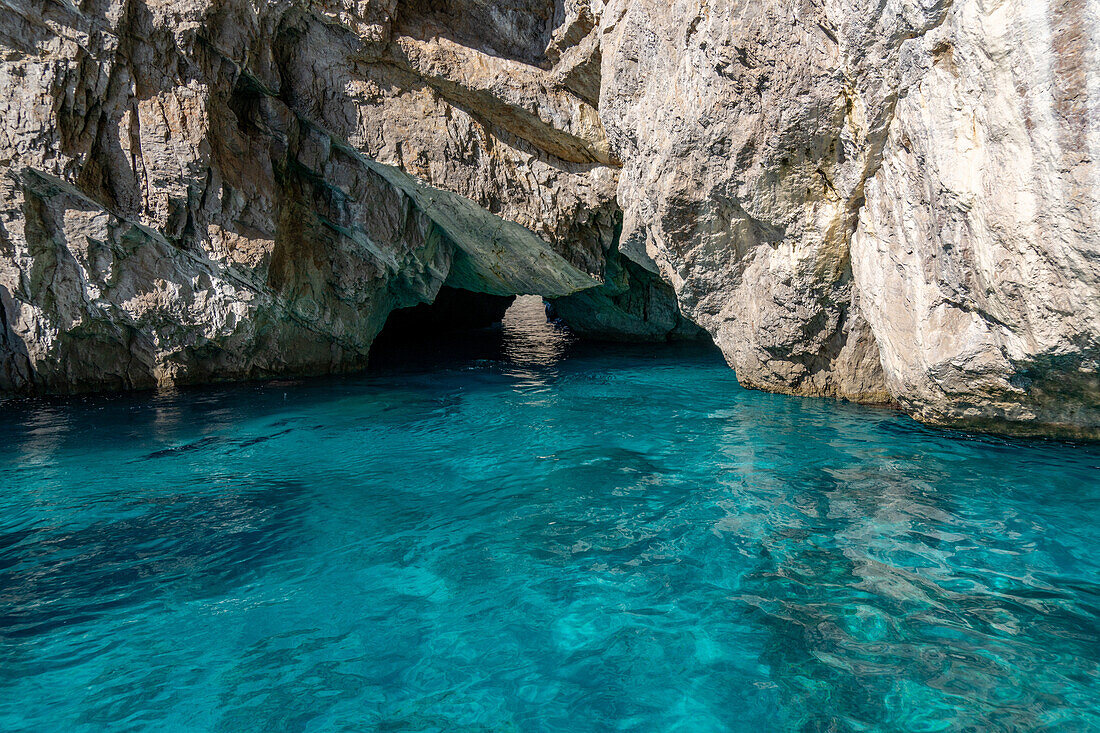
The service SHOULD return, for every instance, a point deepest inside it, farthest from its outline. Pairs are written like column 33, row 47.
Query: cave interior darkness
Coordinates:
column 463, row 325
column 458, row 324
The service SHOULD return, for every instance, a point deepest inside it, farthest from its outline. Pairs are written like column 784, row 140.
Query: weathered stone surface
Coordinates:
column 747, row 131
column 632, row 304
column 978, row 253
column 221, row 190
column 887, row 201
column 880, row 201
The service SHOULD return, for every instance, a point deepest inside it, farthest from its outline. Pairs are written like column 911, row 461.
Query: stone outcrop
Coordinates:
column 221, row 190
column 977, row 254
column 884, row 202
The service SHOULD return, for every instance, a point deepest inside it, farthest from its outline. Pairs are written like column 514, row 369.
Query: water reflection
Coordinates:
column 525, row 345
column 902, row 588
column 528, row 339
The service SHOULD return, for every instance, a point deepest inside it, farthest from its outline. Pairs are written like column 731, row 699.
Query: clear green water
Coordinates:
column 622, row 539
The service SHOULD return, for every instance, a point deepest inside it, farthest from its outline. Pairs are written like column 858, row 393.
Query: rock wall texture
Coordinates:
column 884, row 201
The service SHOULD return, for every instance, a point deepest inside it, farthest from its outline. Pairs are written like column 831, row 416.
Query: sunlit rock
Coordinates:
column 887, row 202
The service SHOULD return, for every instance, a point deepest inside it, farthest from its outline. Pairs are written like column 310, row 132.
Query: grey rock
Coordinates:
column 888, row 202
column 977, row 255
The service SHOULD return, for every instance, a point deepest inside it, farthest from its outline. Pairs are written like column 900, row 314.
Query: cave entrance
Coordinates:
column 453, row 309
column 461, row 325
column 632, row 306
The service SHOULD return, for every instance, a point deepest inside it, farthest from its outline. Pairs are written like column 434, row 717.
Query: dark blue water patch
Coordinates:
column 197, row 544
column 557, row 537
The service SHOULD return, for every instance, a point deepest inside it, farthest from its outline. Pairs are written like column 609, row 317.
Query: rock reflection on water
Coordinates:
column 529, row 343
column 525, row 343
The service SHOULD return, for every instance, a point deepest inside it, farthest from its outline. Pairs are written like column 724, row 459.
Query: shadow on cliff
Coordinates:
column 519, row 30
column 15, row 363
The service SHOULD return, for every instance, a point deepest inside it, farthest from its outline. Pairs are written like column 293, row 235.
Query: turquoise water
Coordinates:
column 557, row 538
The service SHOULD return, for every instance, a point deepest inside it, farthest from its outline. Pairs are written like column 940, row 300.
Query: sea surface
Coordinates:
column 515, row 532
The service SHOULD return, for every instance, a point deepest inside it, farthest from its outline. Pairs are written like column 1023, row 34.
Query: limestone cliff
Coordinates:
column 889, row 201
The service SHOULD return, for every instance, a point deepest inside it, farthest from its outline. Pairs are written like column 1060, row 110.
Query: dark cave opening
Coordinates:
column 519, row 30
column 462, row 327
column 453, row 309
column 458, row 325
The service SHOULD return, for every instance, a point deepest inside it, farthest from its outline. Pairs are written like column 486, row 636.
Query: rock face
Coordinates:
column 889, row 201
column 977, row 255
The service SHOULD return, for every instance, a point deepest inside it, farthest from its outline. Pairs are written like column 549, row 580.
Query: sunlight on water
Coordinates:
column 540, row 536
column 531, row 346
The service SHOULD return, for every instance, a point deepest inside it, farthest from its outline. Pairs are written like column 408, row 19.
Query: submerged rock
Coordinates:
column 883, row 202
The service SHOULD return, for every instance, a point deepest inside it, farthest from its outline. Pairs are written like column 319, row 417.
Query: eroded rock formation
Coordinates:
column 882, row 201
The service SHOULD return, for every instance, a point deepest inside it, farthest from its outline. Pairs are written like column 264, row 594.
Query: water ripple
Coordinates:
column 558, row 537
